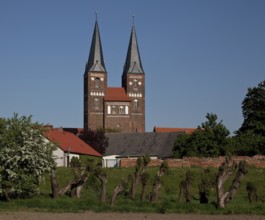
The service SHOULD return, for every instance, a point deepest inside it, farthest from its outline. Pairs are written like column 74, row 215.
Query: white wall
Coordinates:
column 110, row 161
column 70, row 157
column 60, row 157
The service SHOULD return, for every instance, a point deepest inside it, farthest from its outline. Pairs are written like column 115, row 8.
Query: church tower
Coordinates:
column 95, row 84
column 120, row 109
column 133, row 81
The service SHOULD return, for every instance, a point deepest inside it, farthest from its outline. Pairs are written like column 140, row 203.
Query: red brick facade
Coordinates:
column 109, row 108
column 123, row 108
column 94, row 90
column 135, row 87
column 256, row 161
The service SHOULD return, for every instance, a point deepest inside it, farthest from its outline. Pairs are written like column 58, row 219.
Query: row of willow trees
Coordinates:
column 139, row 176
column 208, row 181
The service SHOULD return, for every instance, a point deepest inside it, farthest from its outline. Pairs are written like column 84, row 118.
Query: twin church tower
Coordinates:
column 119, row 109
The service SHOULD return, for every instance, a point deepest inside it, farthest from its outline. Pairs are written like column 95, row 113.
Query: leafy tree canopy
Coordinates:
column 209, row 139
column 248, row 144
column 24, row 157
column 96, row 139
column 250, row 139
column 253, row 108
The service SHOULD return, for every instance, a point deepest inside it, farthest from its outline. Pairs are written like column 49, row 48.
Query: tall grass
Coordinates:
column 167, row 202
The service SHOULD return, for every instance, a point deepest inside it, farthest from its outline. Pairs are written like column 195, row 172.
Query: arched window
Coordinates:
column 126, row 110
column 96, row 104
column 135, row 104
column 135, row 85
column 109, row 110
column 121, row 110
column 97, row 83
column 114, row 110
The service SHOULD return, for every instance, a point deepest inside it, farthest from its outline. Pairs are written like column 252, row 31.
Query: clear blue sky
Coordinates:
column 199, row 56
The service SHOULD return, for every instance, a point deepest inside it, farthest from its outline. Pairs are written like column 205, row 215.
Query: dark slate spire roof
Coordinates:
column 133, row 62
column 95, row 60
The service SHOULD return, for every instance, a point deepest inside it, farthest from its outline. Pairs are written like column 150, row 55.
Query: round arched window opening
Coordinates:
column 135, row 105
column 96, row 104
column 121, row 110
column 135, row 85
column 97, row 83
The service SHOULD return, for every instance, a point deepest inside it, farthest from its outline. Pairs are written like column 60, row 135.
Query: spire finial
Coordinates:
column 133, row 18
column 96, row 15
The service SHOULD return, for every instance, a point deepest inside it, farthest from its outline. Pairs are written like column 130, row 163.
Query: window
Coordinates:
column 114, row 110
column 121, row 110
column 126, row 110
column 135, row 105
column 109, row 110
column 97, row 83
column 96, row 104
column 135, row 85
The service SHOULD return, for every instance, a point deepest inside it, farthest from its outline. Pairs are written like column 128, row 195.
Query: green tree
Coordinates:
column 25, row 156
column 248, row 144
column 207, row 183
column 253, row 108
column 229, row 168
column 251, row 135
column 184, row 187
column 210, row 139
column 102, row 176
column 96, row 139
column 163, row 169
column 145, row 177
column 140, row 167
column 181, row 149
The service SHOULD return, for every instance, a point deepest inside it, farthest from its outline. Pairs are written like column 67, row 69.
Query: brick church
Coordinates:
column 117, row 108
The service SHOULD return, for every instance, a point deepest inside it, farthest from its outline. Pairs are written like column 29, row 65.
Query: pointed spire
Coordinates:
column 133, row 62
column 95, row 59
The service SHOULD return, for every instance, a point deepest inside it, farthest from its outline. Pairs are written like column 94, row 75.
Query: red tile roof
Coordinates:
column 75, row 131
column 185, row 130
column 69, row 142
column 116, row 94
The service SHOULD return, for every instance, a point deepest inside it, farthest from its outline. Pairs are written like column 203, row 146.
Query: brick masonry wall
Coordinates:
column 256, row 161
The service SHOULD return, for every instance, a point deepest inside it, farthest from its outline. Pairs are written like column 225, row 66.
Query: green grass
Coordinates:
column 167, row 202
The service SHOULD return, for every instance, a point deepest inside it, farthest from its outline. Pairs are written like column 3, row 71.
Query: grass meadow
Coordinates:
column 167, row 202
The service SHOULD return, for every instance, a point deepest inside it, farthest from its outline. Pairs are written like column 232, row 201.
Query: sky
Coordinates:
column 199, row 56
